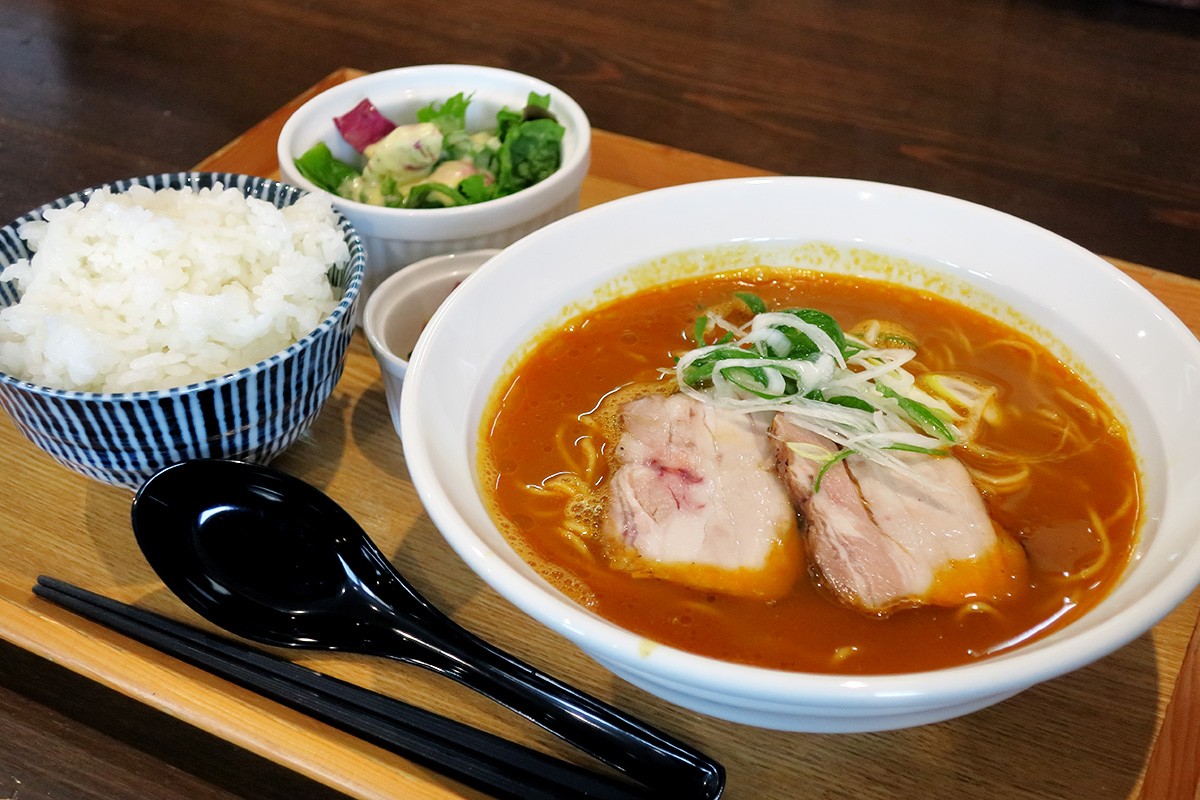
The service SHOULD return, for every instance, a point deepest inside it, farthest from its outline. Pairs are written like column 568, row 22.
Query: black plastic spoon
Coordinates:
column 270, row 558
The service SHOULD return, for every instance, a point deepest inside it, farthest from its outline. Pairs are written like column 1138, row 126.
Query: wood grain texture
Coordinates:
column 1173, row 769
column 1028, row 747
column 1080, row 115
column 54, row 748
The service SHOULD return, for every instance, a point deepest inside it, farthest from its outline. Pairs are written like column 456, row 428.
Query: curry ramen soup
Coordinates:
column 1053, row 466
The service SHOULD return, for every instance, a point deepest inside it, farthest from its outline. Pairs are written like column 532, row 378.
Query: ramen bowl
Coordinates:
column 395, row 237
column 1141, row 359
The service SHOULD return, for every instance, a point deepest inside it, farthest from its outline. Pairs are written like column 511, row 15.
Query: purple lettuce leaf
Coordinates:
column 363, row 125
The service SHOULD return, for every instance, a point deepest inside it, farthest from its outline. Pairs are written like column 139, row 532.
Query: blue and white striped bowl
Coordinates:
column 251, row 415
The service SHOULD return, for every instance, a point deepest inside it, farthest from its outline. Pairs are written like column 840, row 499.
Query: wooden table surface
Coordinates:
column 1079, row 116
column 78, row 530
column 1082, row 116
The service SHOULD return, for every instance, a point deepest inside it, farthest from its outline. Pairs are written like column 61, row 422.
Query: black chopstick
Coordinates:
column 474, row 757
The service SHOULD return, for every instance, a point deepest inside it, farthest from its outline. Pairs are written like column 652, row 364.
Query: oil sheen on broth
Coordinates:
column 1054, row 468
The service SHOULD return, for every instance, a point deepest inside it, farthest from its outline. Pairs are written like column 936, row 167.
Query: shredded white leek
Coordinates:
column 860, row 397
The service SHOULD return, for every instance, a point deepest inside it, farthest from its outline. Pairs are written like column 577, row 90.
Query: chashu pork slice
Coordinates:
column 695, row 499
column 882, row 539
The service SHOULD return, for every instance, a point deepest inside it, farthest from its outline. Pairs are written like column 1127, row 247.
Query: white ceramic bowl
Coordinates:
column 1144, row 360
column 395, row 237
column 402, row 305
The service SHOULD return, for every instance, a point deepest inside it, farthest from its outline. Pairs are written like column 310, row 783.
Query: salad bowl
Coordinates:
column 394, row 236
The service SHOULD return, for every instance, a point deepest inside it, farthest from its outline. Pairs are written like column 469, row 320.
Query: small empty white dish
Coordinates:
column 399, row 308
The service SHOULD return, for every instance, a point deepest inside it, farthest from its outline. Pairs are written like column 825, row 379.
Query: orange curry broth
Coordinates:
column 629, row 340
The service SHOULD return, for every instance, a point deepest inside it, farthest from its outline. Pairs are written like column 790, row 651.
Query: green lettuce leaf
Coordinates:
column 450, row 116
column 530, row 152
column 319, row 166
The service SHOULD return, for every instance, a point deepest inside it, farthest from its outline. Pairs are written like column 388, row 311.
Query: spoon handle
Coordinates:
column 640, row 751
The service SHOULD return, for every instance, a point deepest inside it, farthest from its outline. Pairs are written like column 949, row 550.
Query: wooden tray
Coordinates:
column 1083, row 735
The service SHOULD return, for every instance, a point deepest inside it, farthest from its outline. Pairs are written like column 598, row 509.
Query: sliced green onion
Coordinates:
column 838, row 457
column 849, row 401
column 754, row 380
column 918, row 411
column 753, row 302
column 770, row 331
column 823, row 321
column 810, row 452
column 700, row 370
column 912, row 448
column 826, row 458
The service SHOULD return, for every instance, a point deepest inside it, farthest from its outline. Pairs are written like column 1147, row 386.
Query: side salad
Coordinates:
column 435, row 162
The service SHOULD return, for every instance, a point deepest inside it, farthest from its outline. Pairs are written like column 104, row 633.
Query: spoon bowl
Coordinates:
column 270, row 558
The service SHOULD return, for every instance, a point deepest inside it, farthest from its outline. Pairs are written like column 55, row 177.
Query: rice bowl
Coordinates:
column 144, row 290
column 259, row 401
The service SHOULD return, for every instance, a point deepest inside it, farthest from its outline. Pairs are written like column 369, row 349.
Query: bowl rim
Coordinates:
column 249, row 185
column 571, row 161
column 607, row 641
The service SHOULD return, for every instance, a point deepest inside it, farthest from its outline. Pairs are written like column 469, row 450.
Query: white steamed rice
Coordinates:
column 146, row 289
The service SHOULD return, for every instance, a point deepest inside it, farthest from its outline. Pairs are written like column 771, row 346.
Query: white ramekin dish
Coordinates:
column 402, row 305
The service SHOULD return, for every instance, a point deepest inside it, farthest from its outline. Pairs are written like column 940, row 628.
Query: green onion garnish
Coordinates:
column 800, row 361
